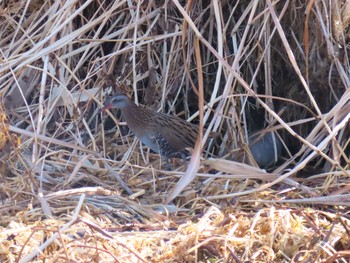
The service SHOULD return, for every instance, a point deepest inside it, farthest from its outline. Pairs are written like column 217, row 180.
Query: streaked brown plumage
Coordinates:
column 163, row 133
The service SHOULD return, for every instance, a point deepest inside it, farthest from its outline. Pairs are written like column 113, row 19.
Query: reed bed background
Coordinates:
column 76, row 186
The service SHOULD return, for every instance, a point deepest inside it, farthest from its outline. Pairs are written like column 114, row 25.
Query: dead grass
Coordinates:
column 75, row 187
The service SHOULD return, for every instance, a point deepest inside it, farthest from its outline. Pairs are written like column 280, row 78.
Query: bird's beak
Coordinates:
column 107, row 106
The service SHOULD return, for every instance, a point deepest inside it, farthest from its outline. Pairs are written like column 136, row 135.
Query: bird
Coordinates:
column 266, row 148
column 165, row 134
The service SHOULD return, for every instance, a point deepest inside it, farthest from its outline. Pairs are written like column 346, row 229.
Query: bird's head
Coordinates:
column 119, row 101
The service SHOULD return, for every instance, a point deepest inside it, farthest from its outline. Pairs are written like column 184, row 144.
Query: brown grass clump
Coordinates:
column 76, row 187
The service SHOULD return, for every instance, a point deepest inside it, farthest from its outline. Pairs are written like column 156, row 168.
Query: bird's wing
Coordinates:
column 179, row 133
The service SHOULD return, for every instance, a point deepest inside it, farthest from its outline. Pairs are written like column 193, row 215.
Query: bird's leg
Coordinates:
column 183, row 156
column 167, row 164
column 164, row 150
